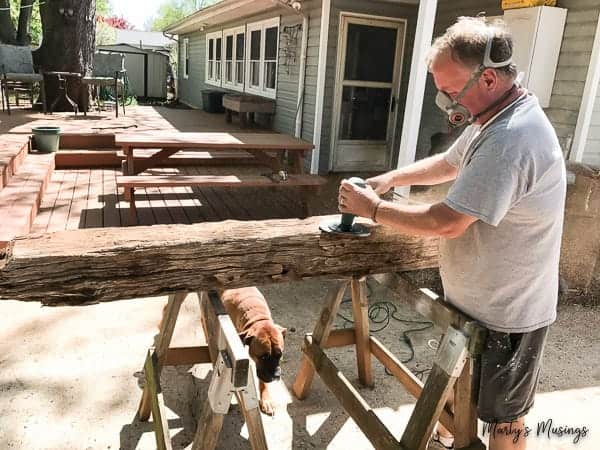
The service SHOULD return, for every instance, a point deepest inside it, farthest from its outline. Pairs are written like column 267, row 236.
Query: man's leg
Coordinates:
column 508, row 436
column 508, row 376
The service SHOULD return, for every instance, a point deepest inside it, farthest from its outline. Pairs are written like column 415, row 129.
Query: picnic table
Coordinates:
column 283, row 154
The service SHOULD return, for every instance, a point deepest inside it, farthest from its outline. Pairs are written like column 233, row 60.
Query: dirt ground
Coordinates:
column 70, row 377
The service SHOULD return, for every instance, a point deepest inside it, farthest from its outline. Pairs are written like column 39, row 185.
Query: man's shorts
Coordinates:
column 508, row 374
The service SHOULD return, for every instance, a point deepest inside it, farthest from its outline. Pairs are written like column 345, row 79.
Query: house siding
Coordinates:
column 591, row 152
column 571, row 72
column 408, row 12
column 284, row 121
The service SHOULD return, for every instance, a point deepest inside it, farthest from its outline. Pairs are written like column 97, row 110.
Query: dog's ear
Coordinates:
column 245, row 337
column 282, row 329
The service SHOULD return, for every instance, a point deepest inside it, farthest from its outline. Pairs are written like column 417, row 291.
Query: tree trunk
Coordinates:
column 69, row 33
column 7, row 28
column 92, row 265
column 23, row 36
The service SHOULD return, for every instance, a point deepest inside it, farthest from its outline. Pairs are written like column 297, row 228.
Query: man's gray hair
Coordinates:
column 467, row 38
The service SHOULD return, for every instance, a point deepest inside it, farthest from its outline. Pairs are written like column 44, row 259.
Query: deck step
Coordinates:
column 13, row 150
column 20, row 198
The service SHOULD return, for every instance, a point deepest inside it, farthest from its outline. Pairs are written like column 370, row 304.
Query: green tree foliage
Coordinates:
column 103, row 7
column 171, row 11
column 105, row 34
column 35, row 25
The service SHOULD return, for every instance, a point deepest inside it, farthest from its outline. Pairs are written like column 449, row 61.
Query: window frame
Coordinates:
column 261, row 26
column 186, row 58
column 234, row 33
column 213, row 80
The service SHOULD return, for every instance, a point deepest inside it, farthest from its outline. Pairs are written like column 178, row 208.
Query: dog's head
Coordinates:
column 266, row 343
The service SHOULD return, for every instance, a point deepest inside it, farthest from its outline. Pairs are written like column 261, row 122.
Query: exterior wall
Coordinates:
column 582, row 17
column 190, row 90
column 573, row 62
column 408, row 12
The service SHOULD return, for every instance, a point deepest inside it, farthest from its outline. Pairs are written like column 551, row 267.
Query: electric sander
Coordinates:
column 346, row 225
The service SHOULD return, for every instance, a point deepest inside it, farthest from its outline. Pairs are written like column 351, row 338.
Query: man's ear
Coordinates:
column 282, row 329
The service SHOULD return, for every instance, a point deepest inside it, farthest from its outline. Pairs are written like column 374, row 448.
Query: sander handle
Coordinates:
column 348, row 219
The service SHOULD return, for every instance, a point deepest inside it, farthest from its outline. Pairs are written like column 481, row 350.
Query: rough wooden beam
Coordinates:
column 92, row 265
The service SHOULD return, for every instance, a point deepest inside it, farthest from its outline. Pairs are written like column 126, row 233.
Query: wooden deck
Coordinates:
column 88, row 198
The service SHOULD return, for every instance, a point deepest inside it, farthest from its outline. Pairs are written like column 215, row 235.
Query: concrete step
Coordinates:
column 13, row 150
column 20, row 198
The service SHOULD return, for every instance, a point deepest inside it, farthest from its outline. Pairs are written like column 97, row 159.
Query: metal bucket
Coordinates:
column 46, row 138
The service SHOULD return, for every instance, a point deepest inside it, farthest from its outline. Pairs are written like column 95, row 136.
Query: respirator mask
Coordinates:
column 457, row 113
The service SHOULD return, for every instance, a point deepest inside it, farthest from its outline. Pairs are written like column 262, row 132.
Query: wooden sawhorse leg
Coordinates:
column 232, row 374
column 320, row 335
column 453, row 362
column 167, row 327
column 323, row 329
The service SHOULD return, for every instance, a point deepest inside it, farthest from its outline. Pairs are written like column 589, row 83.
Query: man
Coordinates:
column 501, row 222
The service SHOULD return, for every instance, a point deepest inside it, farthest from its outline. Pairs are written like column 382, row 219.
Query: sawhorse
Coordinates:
column 453, row 367
column 231, row 374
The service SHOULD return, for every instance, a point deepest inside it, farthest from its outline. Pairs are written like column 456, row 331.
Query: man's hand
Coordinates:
column 381, row 183
column 355, row 200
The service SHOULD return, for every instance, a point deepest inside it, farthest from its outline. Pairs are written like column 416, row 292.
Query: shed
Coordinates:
column 147, row 69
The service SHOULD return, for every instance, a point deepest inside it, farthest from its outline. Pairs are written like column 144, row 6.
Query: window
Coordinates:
column 233, row 50
column 261, row 50
column 244, row 58
column 214, row 44
column 186, row 57
column 239, row 58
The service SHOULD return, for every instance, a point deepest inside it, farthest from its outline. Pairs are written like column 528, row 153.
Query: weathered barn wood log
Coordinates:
column 108, row 264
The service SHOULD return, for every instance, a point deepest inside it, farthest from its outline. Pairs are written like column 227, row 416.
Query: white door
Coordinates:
column 366, row 93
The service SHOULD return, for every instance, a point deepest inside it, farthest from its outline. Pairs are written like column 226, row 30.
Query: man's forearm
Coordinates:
column 426, row 172
column 435, row 220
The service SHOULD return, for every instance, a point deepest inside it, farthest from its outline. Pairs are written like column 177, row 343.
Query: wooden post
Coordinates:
column 321, row 332
column 350, row 398
column 209, row 428
column 256, row 432
column 360, row 310
column 161, row 425
column 465, row 411
column 164, row 339
column 130, row 195
column 220, row 332
column 449, row 363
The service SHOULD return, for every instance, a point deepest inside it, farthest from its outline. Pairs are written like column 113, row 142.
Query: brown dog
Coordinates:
column 252, row 319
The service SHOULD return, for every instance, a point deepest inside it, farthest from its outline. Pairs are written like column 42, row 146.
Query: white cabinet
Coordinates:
column 537, row 36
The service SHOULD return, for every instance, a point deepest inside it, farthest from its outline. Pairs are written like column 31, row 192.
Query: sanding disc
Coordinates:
column 333, row 227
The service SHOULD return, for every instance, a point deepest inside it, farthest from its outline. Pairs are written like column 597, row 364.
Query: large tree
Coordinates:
column 69, row 34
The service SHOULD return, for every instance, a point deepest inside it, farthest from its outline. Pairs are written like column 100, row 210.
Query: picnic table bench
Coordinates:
column 283, row 154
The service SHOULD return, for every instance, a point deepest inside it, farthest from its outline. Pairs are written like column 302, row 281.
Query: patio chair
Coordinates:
column 108, row 71
column 18, row 75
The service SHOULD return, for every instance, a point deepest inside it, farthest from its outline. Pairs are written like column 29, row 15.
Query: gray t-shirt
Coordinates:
column 503, row 271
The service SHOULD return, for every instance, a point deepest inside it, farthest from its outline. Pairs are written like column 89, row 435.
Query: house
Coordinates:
column 351, row 77
column 147, row 60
